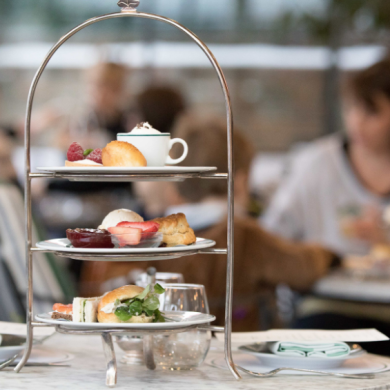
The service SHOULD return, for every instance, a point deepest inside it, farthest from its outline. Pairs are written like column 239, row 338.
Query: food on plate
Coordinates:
column 380, row 252
column 75, row 152
column 175, row 230
column 82, row 310
column 131, row 304
column 122, row 154
column 89, row 238
column 126, row 236
column 78, row 157
column 125, row 228
column 64, row 312
column 82, row 163
column 133, row 233
column 85, row 309
column 114, row 217
column 144, row 128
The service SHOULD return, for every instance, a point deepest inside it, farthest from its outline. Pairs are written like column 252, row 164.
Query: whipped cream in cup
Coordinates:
column 144, row 128
column 154, row 145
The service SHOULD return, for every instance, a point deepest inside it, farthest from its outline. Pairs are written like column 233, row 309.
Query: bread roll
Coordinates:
column 121, row 293
column 122, row 154
column 175, row 230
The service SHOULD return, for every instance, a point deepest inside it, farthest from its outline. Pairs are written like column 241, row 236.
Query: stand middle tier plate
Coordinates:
column 61, row 247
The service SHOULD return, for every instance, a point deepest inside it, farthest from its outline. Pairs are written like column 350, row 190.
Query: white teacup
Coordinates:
column 155, row 147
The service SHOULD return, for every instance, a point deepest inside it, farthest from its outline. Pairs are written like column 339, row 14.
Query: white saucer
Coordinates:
column 130, row 170
column 179, row 319
column 270, row 359
column 8, row 352
column 363, row 364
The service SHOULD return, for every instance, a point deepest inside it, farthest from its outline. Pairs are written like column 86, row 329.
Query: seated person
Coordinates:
column 336, row 195
column 261, row 259
column 339, row 186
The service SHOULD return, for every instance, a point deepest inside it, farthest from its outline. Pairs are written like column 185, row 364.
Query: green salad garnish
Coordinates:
column 146, row 303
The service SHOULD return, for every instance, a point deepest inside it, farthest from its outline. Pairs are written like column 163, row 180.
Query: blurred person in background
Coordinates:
column 337, row 194
column 106, row 99
column 261, row 259
column 161, row 106
column 51, row 279
column 339, row 186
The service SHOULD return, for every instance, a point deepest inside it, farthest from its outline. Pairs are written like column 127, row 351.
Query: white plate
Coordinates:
column 8, row 352
column 315, row 363
column 179, row 319
column 130, row 170
column 364, row 364
column 10, row 345
column 61, row 245
column 47, row 356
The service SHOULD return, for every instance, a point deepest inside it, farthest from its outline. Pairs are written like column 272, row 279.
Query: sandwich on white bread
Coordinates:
column 85, row 309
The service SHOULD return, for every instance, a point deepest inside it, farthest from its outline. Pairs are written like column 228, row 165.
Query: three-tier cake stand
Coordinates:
column 129, row 9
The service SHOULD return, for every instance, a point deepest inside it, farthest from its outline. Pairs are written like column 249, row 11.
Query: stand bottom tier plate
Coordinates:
column 175, row 320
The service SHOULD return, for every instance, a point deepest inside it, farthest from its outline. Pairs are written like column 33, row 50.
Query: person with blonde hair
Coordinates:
column 261, row 259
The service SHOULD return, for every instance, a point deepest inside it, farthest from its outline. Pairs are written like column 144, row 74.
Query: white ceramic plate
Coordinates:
column 8, row 352
column 363, row 364
column 316, row 363
column 10, row 345
column 130, row 170
column 47, row 356
column 62, row 245
column 178, row 319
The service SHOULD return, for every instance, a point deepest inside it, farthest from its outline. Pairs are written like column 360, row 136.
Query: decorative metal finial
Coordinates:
column 128, row 5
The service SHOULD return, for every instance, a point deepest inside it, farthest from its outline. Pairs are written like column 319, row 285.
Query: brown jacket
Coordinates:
column 261, row 259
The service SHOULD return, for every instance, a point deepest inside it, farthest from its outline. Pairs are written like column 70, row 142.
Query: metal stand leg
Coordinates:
column 30, row 333
column 148, row 352
column 109, row 353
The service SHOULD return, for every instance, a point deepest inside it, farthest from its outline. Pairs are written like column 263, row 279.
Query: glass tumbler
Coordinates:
column 186, row 350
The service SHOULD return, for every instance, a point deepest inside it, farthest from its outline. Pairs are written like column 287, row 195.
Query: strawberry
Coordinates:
column 147, row 227
column 96, row 156
column 75, row 152
column 126, row 235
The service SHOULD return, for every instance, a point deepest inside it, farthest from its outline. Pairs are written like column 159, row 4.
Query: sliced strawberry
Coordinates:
column 126, row 235
column 96, row 156
column 75, row 152
column 147, row 227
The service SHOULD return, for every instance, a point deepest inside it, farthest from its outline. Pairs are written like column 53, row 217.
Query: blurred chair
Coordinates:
column 51, row 280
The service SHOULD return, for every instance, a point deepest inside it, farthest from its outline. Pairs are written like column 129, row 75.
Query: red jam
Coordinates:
column 89, row 238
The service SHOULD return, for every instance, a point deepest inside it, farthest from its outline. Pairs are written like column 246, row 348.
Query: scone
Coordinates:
column 175, row 230
column 122, row 154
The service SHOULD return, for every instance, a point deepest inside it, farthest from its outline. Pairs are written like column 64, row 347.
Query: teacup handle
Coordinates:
column 171, row 161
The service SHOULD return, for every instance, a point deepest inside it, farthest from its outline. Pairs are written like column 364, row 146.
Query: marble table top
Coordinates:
column 87, row 372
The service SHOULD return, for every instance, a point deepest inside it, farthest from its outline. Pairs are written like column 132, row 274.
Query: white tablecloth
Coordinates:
column 87, row 372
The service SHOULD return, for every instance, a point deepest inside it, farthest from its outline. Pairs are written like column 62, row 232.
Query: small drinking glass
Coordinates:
column 187, row 350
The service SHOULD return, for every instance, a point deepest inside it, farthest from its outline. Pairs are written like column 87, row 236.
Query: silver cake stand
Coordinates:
column 129, row 10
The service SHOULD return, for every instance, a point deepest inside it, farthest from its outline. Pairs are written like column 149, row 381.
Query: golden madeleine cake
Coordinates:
column 122, row 154
column 175, row 230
